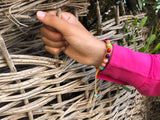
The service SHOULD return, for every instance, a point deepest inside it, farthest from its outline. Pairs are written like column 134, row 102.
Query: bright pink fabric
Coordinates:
column 137, row 69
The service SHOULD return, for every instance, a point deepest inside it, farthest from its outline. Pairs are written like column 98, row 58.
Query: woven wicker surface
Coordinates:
column 36, row 85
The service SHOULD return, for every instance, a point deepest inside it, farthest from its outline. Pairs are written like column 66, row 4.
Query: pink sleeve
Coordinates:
column 137, row 69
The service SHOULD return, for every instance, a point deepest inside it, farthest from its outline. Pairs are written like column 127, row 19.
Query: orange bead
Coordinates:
column 103, row 64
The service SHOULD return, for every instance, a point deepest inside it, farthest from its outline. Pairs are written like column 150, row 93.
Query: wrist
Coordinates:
column 98, row 56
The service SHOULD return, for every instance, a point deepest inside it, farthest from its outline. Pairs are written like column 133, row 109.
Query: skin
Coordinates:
column 70, row 36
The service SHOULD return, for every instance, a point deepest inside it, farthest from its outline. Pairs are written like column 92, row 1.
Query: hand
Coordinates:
column 69, row 35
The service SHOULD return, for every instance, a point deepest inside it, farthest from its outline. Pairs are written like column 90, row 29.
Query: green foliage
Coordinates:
column 135, row 22
column 154, row 35
column 134, row 28
column 156, row 98
column 151, row 38
column 124, row 87
column 156, row 48
column 140, row 3
column 143, row 21
column 157, row 5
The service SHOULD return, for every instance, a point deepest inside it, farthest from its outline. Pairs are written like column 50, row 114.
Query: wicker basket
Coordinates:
column 36, row 85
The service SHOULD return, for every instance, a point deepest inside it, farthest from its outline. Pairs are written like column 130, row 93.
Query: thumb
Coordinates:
column 53, row 21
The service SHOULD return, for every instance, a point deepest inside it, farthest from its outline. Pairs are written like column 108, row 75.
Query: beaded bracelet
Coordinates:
column 104, row 63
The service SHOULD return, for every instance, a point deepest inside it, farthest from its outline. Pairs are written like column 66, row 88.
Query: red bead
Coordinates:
column 109, row 50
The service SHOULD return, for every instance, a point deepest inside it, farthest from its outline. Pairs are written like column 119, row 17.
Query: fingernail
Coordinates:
column 41, row 14
column 65, row 17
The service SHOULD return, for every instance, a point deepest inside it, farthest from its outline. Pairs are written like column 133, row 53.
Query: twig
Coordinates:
column 116, row 9
column 99, row 19
column 59, row 97
column 122, row 7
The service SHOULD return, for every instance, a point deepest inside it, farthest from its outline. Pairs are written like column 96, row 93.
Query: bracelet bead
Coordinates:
column 95, row 95
column 101, row 68
column 105, row 60
column 109, row 45
column 109, row 50
column 107, row 56
column 103, row 64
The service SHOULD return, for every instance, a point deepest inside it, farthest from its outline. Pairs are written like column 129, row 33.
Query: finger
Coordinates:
column 51, row 35
column 53, row 21
column 54, row 44
column 50, row 28
column 54, row 51
column 65, row 16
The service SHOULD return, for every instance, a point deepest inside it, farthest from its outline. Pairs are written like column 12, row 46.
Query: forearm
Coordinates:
column 133, row 68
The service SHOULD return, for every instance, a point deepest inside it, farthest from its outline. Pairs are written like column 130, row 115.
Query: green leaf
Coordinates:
column 134, row 42
column 140, row 4
column 155, row 49
column 158, row 35
column 126, row 88
column 135, row 22
column 127, row 20
column 143, row 21
column 149, row 41
column 118, row 90
column 152, row 38
column 124, row 29
column 156, row 6
column 141, row 49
